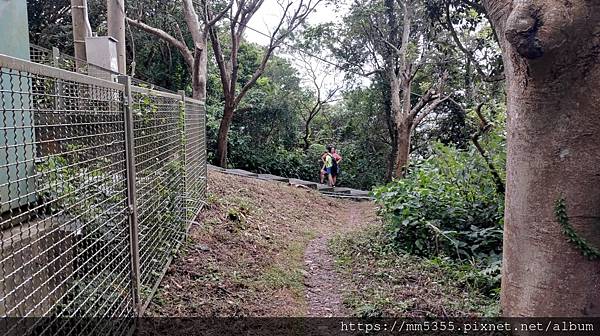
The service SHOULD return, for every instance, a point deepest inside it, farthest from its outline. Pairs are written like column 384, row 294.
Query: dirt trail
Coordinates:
column 260, row 249
column 323, row 294
column 324, row 287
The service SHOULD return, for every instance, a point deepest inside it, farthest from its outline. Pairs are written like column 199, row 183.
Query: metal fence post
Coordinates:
column 184, row 145
column 131, row 192
column 55, row 57
column 60, row 100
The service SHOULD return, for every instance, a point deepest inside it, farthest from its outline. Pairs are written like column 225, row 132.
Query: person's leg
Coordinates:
column 334, row 176
column 329, row 177
column 322, row 173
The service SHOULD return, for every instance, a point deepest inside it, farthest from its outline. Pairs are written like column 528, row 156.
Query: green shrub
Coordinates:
column 448, row 205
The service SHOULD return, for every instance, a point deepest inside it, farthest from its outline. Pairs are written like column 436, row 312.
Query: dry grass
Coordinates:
column 383, row 282
column 246, row 256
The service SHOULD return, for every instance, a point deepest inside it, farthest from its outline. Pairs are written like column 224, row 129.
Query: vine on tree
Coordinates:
column 560, row 211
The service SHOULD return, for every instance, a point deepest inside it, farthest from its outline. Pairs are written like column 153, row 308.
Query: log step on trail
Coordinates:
column 339, row 192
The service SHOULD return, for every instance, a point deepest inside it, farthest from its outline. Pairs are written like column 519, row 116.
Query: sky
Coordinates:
column 269, row 15
column 270, row 12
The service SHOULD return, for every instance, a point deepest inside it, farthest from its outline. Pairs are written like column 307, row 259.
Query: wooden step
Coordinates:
column 270, row 177
column 308, row 184
column 241, row 172
column 356, row 192
column 339, row 190
column 324, row 188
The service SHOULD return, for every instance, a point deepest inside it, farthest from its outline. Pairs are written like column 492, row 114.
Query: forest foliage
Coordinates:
column 448, row 205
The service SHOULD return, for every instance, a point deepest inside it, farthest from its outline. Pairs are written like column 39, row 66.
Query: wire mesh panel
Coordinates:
column 66, row 62
column 64, row 248
column 82, row 205
column 54, row 58
column 40, row 55
column 160, row 174
column 195, row 156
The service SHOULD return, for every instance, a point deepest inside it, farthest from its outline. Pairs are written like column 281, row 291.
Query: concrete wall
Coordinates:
column 35, row 265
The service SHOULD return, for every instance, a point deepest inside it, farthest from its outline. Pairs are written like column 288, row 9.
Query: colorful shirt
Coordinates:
column 328, row 161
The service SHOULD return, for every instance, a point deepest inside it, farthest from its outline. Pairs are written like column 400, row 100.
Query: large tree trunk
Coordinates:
column 551, row 53
column 222, row 138
column 403, row 135
column 391, row 127
column 199, row 73
column 404, row 125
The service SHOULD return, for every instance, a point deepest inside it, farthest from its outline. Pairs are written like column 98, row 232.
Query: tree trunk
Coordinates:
column 403, row 135
column 306, row 135
column 389, row 172
column 391, row 128
column 469, row 87
column 404, row 123
column 222, row 138
column 199, row 72
column 551, row 56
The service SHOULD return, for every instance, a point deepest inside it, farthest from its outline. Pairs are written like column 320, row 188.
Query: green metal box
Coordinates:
column 17, row 138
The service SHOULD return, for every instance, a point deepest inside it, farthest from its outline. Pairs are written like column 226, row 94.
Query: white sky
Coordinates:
column 269, row 15
column 270, row 12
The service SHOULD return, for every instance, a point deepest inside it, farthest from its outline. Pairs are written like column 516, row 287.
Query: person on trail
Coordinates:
column 322, row 172
column 337, row 158
column 330, row 165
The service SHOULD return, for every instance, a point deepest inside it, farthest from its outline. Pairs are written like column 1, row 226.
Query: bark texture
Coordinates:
column 222, row 138
column 551, row 51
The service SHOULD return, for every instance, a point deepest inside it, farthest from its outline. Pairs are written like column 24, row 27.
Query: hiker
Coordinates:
column 322, row 172
column 338, row 158
column 330, row 165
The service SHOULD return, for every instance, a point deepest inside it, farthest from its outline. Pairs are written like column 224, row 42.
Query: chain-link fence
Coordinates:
column 99, row 182
column 55, row 58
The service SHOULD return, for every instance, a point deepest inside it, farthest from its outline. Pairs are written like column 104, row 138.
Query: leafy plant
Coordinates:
column 448, row 205
column 560, row 211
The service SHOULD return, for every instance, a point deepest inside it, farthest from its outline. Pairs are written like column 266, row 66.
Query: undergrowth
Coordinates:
column 386, row 282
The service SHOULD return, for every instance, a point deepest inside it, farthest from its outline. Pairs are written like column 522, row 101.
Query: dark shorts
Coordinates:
column 328, row 171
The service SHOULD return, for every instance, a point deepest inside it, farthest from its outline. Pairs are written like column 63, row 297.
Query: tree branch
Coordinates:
column 468, row 53
column 484, row 127
column 430, row 108
column 211, row 22
column 191, row 19
column 297, row 18
column 180, row 45
column 216, row 46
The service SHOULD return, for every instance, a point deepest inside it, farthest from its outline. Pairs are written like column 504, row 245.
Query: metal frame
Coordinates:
column 81, row 117
column 131, row 192
column 153, row 92
column 48, row 71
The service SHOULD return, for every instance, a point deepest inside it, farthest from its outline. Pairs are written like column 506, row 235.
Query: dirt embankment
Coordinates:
column 260, row 250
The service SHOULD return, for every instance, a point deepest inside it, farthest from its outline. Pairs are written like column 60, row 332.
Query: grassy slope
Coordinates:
column 383, row 282
column 247, row 259
column 247, row 256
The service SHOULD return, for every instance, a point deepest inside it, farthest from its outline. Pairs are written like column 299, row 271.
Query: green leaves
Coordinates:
column 446, row 206
column 560, row 211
